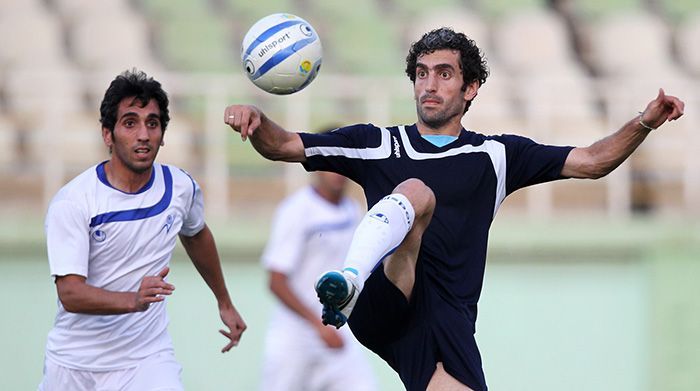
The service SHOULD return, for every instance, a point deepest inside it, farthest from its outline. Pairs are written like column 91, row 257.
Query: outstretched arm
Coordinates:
column 201, row 249
column 269, row 139
column 603, row 156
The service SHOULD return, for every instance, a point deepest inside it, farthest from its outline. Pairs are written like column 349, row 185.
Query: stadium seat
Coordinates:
column 248, row 12
column 31, row 39
column 597, row 9
column 74, row 10
column 196, row 44
column 9, row 146
column 31, row 93
column 496, row 9
column 22, row 7
column 631, row 44
column 459, row 19
column 179, row 143
column 687, row 43
column 111, row 42
column 550, row 85
column 374, row 48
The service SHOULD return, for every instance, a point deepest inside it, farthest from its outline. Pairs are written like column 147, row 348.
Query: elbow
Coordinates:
column 594, row 171
column 598, row 174
column 68, row 303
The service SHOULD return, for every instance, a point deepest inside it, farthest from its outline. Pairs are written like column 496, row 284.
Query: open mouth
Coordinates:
column 142, row 151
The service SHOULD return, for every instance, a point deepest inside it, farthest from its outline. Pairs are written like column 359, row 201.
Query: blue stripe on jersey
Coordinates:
column 194, row 189
column 141, row 213
column 268, row 33
column 282, row 55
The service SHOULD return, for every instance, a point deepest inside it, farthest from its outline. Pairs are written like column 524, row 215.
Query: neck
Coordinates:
column 449, row 129
column 125, row 179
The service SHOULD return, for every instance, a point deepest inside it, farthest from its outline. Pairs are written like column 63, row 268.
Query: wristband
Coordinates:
column 641, row 122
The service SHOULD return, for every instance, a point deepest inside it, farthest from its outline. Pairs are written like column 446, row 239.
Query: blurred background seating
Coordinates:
column 562, row 72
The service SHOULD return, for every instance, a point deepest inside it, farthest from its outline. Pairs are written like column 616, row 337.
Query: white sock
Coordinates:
column 381, row 230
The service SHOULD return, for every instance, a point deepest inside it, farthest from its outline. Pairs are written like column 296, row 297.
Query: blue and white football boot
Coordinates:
column 338, row 292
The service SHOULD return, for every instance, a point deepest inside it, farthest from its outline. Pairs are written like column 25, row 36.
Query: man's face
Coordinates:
column 438, row 88
column 137, row 135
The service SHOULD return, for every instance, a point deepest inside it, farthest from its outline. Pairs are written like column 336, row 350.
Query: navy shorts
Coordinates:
column 413, row 336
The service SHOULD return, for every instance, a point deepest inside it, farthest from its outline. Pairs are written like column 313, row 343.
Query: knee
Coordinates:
column 419, row 194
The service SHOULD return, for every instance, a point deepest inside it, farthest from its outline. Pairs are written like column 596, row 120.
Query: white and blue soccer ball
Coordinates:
column 281, row 53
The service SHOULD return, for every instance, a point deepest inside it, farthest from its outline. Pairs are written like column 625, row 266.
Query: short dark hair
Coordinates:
column 471, row 60
column 139, row 85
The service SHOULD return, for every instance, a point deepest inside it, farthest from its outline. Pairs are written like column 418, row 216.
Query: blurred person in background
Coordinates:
column 110, row 234
column 310, row 233
column 413, row 274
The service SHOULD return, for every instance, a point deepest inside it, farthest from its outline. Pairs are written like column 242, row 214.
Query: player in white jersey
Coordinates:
column 311, row 230
column 110, row 234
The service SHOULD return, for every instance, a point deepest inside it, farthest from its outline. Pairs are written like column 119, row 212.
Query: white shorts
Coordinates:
column 158, row 372
column 296, row 362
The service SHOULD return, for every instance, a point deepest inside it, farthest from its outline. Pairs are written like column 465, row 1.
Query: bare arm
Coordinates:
column 280, row 287
column 603, row 156
column 79, row 297
column 269, row 139
column 201, row 249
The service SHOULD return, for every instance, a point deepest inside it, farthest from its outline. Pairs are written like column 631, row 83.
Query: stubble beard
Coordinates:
column 438, row 119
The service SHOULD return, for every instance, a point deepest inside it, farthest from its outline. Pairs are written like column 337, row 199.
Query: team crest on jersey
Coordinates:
column 99, row 235
column 168, row 223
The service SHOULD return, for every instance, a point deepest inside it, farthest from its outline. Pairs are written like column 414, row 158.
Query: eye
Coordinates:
column 445, row 74
column 129, row 123
column 421, row 73
column 153, row 124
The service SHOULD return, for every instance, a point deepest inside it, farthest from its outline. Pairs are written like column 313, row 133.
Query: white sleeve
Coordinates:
column 67, row 239
column 193, row 221
column 285, row 246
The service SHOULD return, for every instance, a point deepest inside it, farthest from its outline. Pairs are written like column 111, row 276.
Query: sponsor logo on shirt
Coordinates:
column 397, row 150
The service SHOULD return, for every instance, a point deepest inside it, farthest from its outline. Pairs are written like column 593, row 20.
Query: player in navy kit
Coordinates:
column 414, row 271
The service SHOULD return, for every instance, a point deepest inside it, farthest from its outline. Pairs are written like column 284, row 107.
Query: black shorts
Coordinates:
column 413, row 337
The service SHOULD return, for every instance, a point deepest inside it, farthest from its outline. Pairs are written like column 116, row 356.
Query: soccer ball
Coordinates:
column 281, row 53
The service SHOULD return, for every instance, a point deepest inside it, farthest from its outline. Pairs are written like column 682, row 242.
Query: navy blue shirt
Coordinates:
column 470, row 177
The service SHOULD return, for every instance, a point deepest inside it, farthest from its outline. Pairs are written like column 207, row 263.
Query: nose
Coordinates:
column 142, row 132
column 431, row 83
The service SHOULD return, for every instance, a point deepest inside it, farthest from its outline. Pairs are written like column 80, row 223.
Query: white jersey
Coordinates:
column 115, row 239
column 310, row 236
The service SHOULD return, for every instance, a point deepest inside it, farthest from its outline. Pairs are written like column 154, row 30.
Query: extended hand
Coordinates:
column 152, row 290
column 243, row 119
column 663, row 108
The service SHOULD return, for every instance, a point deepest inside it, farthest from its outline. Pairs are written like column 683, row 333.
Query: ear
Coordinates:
column 107, row 137
column 471, row 91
